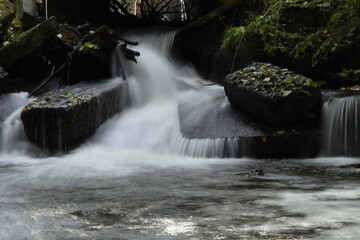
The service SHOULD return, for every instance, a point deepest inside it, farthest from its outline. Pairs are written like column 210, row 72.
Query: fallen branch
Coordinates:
column 54, row 73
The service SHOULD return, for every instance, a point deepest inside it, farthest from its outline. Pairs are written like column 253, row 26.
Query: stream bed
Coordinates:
column 141, row 195
column 134, row 179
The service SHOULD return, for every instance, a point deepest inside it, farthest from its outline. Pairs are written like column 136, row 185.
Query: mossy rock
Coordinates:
column 27, row 42
column 273, row 95
column 62, row 119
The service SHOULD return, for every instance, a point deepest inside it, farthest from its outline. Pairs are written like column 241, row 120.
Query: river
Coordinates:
column 133, row 180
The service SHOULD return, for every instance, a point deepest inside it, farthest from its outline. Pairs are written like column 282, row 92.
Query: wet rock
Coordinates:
column 329, row 94
column 3, row 75
column 64, row 118
column 236, row 134
column 229, row 58
column 273, row 95
column 7, row 14
column 93, row 61
column 27, row 12
column 351, row 166
column 27, row 42
column 255, row 172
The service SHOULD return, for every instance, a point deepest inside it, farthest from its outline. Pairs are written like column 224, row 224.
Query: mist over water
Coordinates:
column 136, row 178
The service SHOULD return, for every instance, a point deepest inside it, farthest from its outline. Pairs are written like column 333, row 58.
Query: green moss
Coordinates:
column 15, row 30
column 273, row 80
column 88, row 46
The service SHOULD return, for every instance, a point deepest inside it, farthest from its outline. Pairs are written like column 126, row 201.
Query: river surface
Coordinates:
column 131, row 180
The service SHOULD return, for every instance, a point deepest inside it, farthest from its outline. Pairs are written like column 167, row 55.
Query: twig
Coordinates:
column 53, row 73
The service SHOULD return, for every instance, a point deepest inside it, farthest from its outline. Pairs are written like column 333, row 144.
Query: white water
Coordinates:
column 131, row 180
column 341, row 127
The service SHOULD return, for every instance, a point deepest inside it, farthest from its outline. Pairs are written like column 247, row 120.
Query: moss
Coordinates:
column 273, row 80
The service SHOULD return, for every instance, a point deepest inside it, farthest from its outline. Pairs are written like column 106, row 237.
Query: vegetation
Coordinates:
column 296, row 28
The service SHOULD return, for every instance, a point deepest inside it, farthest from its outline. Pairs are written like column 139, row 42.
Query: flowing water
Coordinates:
column 341, row 124
column 133, row 179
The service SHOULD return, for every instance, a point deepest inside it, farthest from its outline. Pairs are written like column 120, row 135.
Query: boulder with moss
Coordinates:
column 62, row 119
column 27, row 42
column 272, row 94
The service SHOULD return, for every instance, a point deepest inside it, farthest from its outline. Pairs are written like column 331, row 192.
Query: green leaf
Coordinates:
column 88, row 45
column 281, row 132
column 286, row 93
column 288, row 80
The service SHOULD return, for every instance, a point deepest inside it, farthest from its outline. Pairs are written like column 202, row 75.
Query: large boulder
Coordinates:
column 62, row 119
column 7, row 14
column 219, row 130
column 273, row 95
column 27, row 42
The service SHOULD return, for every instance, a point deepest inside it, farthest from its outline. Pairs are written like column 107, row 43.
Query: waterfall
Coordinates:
column 157, row 83
column 341, row 126
column 46, row 10
column 156, row 86
column 12, row 136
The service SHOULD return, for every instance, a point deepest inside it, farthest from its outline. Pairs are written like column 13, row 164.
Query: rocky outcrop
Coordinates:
column 7, row 14
column 64, row 118
column 27, row 42
column 273, row 95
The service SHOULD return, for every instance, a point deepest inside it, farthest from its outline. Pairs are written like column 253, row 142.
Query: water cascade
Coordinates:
column 131, row 180
column 155, row 89
column 12, row 136
column 341, row 127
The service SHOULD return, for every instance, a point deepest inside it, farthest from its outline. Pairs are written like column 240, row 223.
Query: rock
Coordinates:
column 27, row 12
column 329, row 94
column 3, row 74
column 27, row 42
column 235, row 134
column 200, row 40
column 94, row 59
column 7, row 14
column 255, row 172
column 227, row 59
column 273, row 95
column 95, row 11
column 63, row 119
